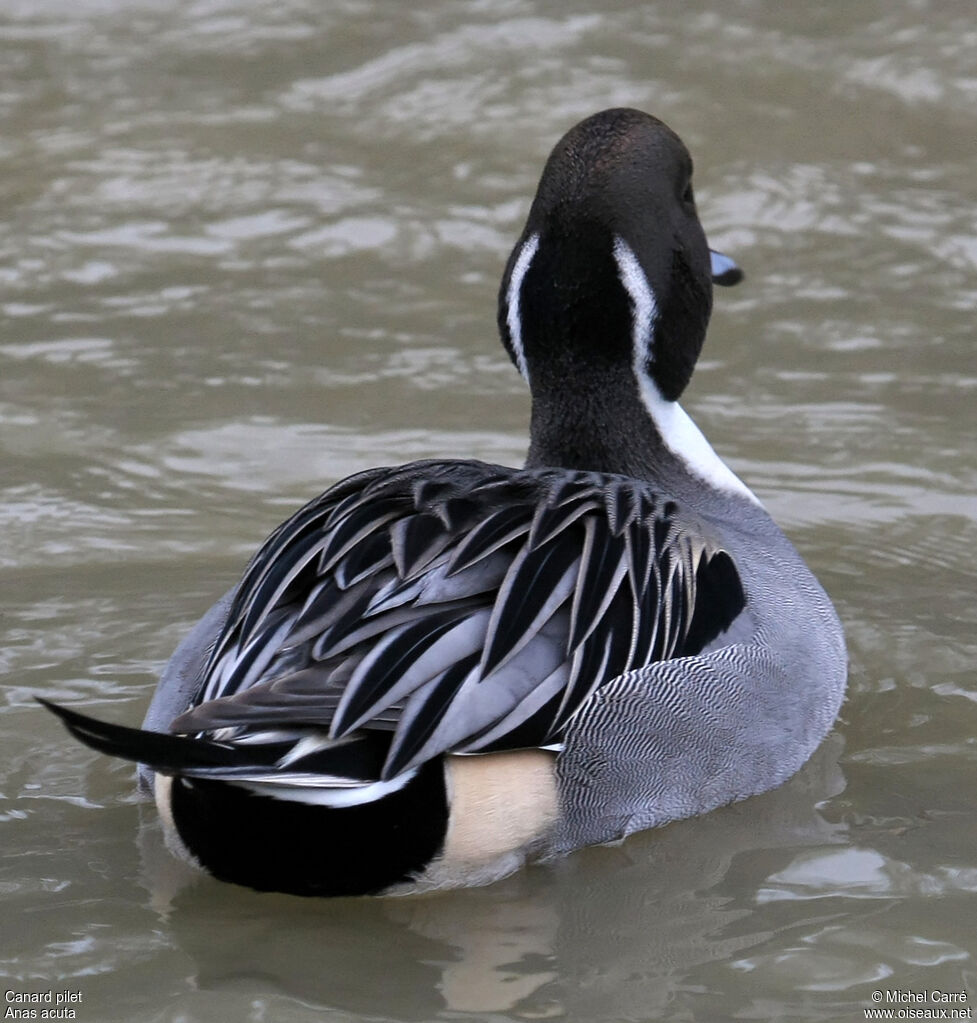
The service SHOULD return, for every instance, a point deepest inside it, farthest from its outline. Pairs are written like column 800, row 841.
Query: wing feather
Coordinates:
column 461, row 607
column 422, row 713
column 539, row 580
column 371, row 555
column 498, row 528
column 602, row 567
column 481, row 702
column 405, row 658
column 416, row 541
column 358, row 524
column 556, row 514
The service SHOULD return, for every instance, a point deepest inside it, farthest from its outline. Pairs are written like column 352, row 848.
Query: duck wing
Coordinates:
column 459, row 607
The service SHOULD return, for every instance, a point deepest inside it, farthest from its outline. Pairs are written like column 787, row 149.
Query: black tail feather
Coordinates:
column 162, row 752
column 358, row 761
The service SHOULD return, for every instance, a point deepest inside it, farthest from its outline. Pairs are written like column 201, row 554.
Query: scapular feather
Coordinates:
column 538, row 582
column 498, row 528
column 422, row 712
column 461, row 607
column 403, row 660
column 602, row 568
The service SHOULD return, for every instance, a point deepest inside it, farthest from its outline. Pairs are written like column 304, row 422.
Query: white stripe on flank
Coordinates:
column 311, row 743
column 512, row 318
column 680, row 434
column 313, row 792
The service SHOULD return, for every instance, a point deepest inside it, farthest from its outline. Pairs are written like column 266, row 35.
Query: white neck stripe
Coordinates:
column 679, row 433
column 512, row 318
column 644, row 306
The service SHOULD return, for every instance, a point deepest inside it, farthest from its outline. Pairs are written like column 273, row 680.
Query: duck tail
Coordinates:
column 169, row 754
column 316, row 824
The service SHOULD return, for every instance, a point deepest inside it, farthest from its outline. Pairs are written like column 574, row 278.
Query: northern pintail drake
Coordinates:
column 436, row 672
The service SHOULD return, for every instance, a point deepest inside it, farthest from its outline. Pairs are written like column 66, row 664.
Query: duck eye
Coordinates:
column 687, row 195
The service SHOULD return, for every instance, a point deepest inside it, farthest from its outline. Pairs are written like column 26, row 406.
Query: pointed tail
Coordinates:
column 297, row 759
column 169, row 754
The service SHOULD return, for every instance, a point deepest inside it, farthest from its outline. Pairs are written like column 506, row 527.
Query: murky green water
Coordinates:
column 249, row 247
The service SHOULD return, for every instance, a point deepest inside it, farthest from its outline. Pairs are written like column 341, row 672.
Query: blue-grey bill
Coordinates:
column 724, row 270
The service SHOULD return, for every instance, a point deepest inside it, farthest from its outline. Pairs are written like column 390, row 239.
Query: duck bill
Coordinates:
column 724, row 271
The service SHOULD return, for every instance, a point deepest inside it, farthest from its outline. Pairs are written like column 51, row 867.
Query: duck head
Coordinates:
column 608, row 292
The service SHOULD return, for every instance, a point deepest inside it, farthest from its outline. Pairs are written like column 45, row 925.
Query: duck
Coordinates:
column 435, row 673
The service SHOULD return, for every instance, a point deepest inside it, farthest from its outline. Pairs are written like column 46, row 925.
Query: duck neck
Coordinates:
column 593, row 421
column 609, row 420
